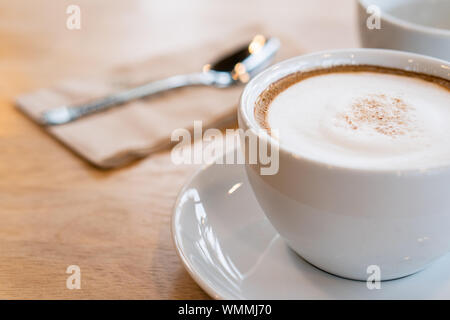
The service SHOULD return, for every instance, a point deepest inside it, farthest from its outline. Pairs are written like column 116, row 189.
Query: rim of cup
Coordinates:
column 247, row 102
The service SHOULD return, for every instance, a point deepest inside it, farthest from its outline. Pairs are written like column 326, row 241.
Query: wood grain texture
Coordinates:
column 56, row 210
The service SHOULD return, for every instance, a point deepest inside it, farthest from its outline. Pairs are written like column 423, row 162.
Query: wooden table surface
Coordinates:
column 55, row 209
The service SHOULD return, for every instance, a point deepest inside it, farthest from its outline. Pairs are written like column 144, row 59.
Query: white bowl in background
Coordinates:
column 421, row 26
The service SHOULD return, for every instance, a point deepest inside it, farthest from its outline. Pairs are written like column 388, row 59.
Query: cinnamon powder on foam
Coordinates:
column 389, row 116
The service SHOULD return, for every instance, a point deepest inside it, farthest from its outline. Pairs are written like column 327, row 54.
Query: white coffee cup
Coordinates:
column 343, row 220
column 422, row 27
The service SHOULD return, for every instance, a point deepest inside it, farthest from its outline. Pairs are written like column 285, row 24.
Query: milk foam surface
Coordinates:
column 365, row 120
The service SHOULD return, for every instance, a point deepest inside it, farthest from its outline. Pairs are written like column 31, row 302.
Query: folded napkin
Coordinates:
column 120, row 135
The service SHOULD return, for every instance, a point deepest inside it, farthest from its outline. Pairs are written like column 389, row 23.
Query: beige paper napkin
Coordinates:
column 141, row 127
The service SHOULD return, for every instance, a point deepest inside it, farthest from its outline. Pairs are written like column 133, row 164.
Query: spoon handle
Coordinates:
column 65, row 114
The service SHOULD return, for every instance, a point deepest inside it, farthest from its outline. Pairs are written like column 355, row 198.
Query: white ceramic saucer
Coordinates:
column 232, row 251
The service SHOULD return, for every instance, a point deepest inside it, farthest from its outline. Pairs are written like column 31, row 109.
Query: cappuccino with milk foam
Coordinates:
column 362, row 117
